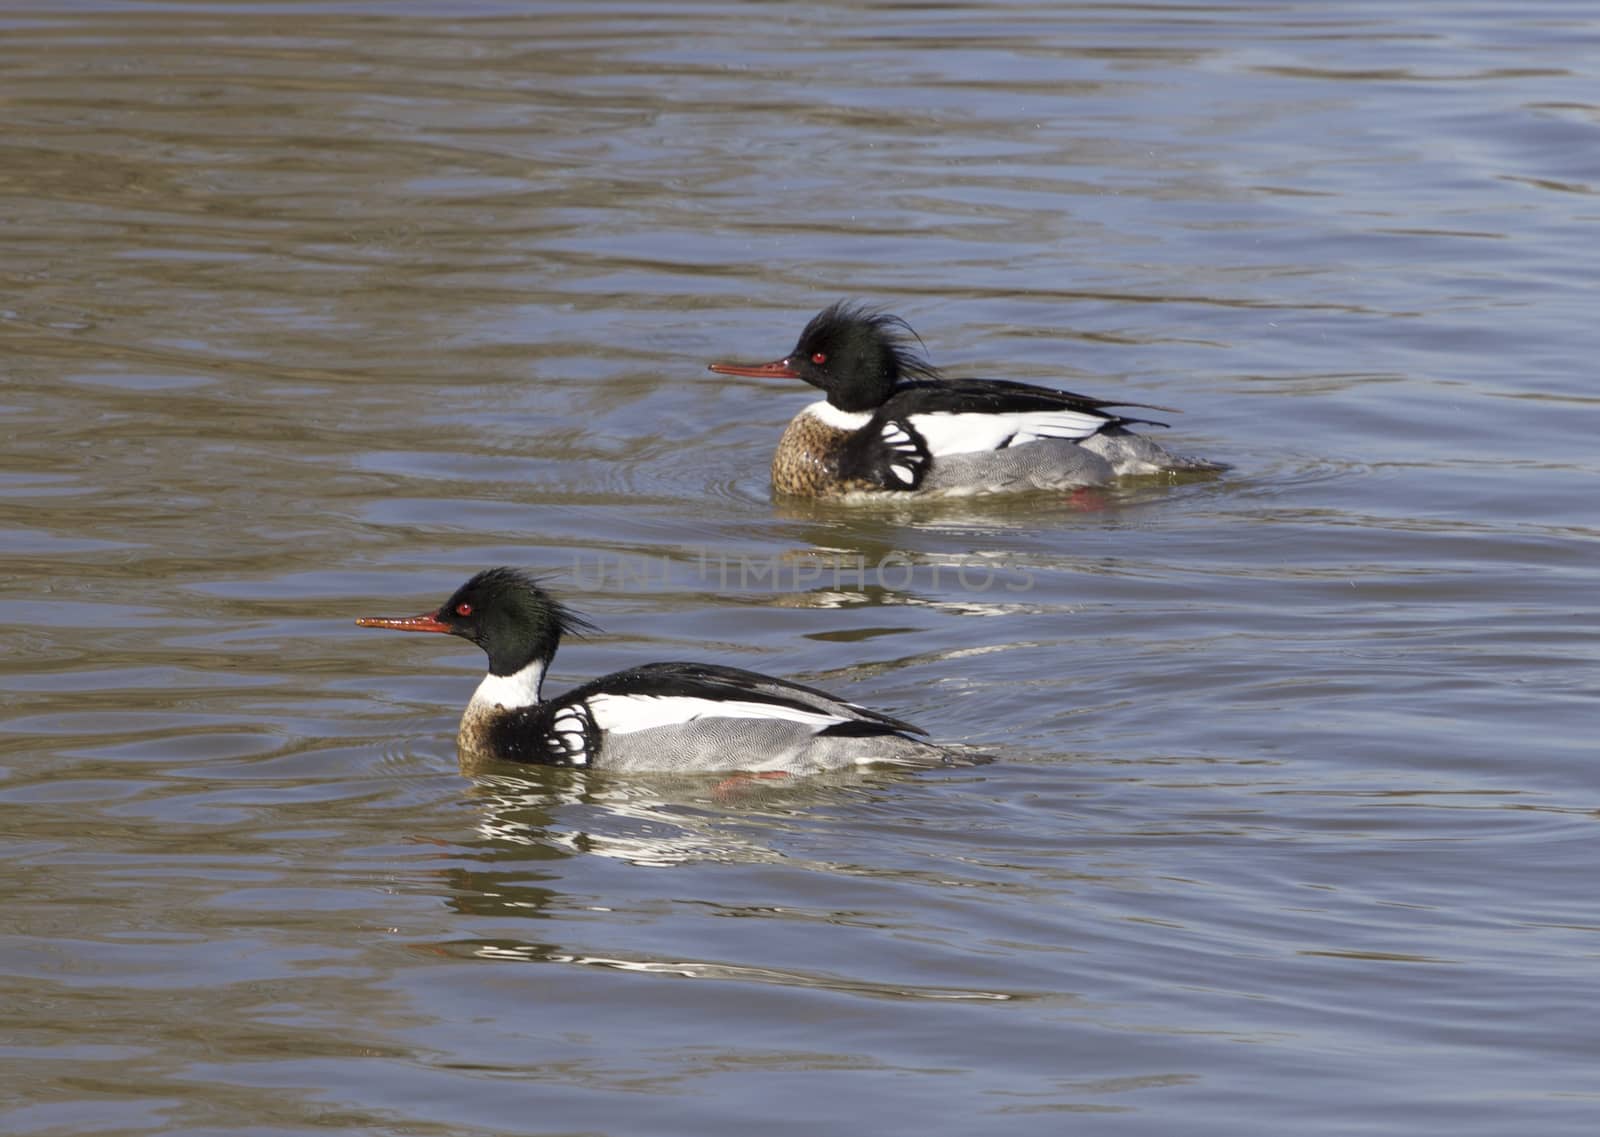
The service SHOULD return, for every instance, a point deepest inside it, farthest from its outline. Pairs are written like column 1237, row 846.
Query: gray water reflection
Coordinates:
column 313, row 309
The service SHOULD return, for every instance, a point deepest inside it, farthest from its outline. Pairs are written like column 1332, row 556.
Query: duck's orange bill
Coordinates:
column 427, row 622
column 777, row 369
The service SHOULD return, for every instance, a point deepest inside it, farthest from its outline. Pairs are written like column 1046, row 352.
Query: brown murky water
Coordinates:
column 311, row 310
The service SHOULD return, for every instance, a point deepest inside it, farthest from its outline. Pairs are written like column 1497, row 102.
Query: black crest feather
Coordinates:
column 507, row 580
column 846, row 319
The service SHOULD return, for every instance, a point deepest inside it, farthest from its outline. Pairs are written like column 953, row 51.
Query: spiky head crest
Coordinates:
column 507, row 612
column 858, row 354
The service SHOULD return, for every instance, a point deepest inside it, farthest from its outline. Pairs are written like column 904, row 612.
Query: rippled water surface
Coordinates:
column 307, row 311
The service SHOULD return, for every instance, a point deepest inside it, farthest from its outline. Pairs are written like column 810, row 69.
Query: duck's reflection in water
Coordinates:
column 665, row 819
column 530, row 890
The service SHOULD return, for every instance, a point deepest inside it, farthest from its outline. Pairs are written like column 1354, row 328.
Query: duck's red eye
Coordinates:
column 463, row 609
column 820, row 358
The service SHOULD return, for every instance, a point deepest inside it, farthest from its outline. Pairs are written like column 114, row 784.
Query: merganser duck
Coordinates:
column 893, row 423
column 683, row 717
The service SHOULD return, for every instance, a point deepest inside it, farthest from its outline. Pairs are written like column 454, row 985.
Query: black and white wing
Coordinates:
column 671, row 694
column 962, row 416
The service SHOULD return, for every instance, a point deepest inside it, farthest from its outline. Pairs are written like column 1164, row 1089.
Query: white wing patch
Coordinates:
column 624, row 714
column 972, row 432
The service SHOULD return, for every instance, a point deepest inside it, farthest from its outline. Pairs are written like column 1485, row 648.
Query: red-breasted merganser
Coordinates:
column 683, row 717
column 892, row 423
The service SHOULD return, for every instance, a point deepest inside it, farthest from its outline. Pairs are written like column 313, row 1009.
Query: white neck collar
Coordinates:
column 830, row 415
column 510, row 691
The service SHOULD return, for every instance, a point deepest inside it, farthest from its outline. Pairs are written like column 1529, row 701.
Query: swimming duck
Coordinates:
column 892, row 423
column 680, row 717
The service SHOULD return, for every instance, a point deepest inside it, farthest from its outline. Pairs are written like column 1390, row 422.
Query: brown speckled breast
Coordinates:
column 806, row 463
column 472, row 739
